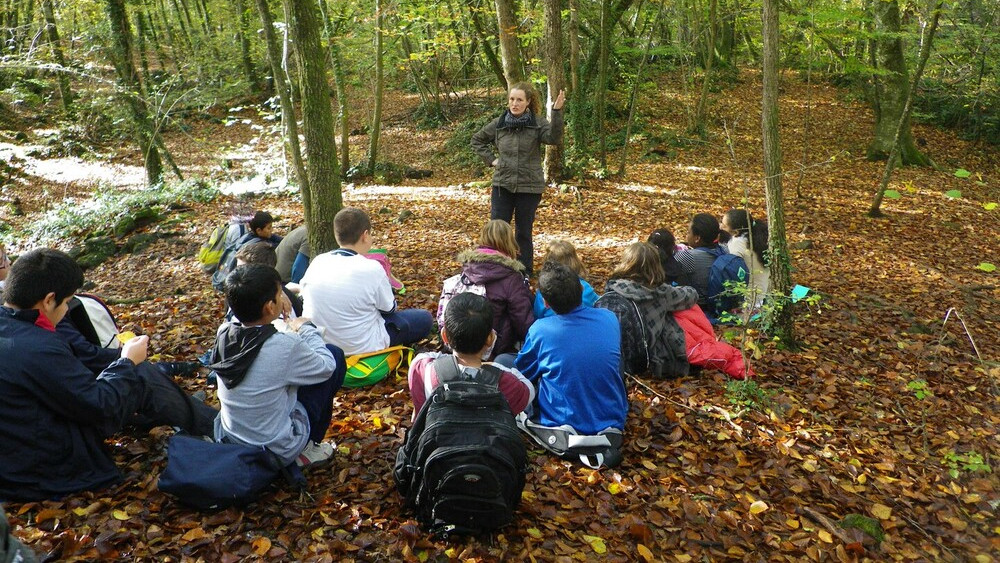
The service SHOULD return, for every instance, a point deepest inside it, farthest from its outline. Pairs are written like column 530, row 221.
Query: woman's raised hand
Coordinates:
column 560, row 100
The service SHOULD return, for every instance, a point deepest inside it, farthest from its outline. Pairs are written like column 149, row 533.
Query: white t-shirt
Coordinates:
column 346, row 296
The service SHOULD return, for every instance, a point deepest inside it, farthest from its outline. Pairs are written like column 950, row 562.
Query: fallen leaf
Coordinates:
column 758, row 506
column 881, row 511
column 596, row 543
column 645, row 553
column 261, row 546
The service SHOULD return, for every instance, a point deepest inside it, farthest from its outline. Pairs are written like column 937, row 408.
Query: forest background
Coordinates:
column 865, row 131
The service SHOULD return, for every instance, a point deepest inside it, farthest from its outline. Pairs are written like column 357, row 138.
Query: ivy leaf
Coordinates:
column 892, row 194
column 953, row 193
column 986, row 267
column 962, row 173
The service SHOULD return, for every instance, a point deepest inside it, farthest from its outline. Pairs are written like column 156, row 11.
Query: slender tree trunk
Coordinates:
column 242, row 28
column 340, row 87
column 283, row 89
column 491, row 56
column 893, row 91
column 580, row 123
column 925, row 53
column 128, row 78
column 509, row 48
column 376, row 128
column 779, row 318
column 324, row 200
column 554, row 65
column 140, row 36
column 602, row 80
column 57, row 53
column 633, row 99
column 699, row 126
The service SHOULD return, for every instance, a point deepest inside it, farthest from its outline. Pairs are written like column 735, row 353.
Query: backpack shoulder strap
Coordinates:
column 447, row 370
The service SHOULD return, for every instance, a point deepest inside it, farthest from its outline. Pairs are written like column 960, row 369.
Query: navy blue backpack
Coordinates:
column 726, row 269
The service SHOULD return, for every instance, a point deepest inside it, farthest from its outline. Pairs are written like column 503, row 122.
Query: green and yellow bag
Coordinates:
column 368, row 369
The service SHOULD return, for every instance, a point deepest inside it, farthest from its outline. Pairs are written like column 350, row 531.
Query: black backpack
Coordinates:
column 463, row 462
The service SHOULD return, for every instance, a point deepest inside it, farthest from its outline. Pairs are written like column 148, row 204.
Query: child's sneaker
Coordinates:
column 315, row 454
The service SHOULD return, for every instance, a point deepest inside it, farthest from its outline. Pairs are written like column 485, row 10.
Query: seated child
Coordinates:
column 55, row 415
column 276, row 388
column 696, row 262
column 468, row 332
column 494, row 265
column 293, row 255
column 263, row 253
column 573, row 358
column 562, row 251
column 351, row 297
column 651, row 341
column 667, row 246
column 748, row 240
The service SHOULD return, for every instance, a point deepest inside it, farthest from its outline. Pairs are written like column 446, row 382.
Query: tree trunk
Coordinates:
column 925, row 53
column 376, row 128
column 242, row 28
column 579, row 125
column 324, row 198
column 554, row 65
column 602, row 80
column 57, row 53
column 283, row 89
column 892, row 89
column 699, row 126
column 779, row 317
column 509, row 48
column 491, row 56
column 128, row 78
column 340, row 87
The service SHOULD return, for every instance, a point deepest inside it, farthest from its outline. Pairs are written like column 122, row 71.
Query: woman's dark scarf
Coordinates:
column 509, row 121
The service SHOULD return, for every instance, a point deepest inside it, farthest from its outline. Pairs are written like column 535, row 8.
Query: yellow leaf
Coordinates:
column 825, row 536
column 535, row 533
column 648, row 465
column 124, row 337
column 451, row 553
column 377, row 423
column 682, row 557
column 645, row 553
column 190, row 535
column 261, row 546
column 971, row 498
column 862, row 478
column 422, row 556
column 758, row 506
column 809, row 466
column 80, row 511
column 596, row 543
column 881, row 511
column 983, row 558
column 792, row 523
column 120, row 515
column 614, row 488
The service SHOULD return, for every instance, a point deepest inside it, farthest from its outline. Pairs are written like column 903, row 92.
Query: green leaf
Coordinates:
column 986, row 267
column 962, row 173
column 953, row 193
column 892, row 194
column 990, row 206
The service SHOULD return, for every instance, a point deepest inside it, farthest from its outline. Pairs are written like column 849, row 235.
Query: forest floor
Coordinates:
column 889, row 409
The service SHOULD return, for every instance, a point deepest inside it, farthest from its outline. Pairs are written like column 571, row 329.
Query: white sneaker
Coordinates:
column 315, row 453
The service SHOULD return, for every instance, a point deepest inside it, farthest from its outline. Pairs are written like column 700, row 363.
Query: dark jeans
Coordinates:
column 164, row 403
column 318, row 397
column 407, row 326
column 519, row 207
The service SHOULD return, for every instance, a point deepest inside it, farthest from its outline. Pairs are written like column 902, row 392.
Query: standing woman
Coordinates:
column 518, row 179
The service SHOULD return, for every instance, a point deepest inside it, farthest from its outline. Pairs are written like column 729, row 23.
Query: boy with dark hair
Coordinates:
column 276, row 388
column 55, row 415
column 350, row 295
column 468, row 330
column 573, row 359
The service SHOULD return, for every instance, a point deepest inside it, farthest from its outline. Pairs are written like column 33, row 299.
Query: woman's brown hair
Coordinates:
column 499, row 235
column 640, row 263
